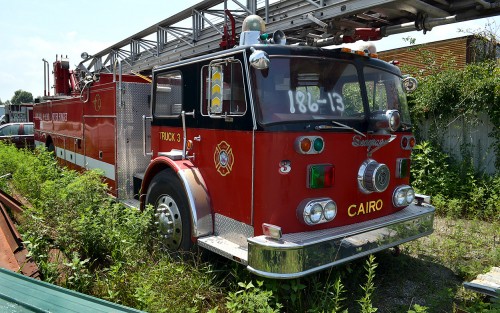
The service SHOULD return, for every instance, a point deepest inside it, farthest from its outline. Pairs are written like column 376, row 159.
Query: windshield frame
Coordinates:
column 357, row 71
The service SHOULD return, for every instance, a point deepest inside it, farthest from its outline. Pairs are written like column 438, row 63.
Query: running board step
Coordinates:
column 131, row 203
column 225, row 248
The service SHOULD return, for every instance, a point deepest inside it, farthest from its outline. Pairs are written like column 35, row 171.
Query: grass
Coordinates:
column 110, row 253
column 431, row 270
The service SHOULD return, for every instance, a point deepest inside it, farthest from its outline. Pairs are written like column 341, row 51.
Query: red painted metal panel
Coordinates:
column 224, row 158
column 278, row 195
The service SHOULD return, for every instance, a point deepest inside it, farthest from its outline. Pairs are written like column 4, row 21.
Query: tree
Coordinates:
column 21, row 96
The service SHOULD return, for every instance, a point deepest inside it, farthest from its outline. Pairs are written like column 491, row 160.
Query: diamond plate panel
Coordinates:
column 129, row 154
column 232, row 230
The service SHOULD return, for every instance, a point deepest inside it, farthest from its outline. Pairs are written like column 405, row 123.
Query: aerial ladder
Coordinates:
column 198, row 30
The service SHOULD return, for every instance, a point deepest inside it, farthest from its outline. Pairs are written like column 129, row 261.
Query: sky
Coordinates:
column 32, row 30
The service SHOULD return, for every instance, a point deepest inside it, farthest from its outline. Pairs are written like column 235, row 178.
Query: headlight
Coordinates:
column 394, row 119
column 403, row 195
column 316, row 211
column 410, row 195
column 330, row 210
column 390, row 120
column 400, row 198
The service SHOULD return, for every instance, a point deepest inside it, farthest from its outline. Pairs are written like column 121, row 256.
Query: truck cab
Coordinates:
column 289, row 159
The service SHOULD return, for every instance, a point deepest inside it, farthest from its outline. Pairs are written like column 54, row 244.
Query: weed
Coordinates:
column 417, row 309
column 78, row 277
column 251, row 298
column 457, row 191
column 366, row 301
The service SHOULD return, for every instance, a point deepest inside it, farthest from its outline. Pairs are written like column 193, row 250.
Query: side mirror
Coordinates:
column 259, row 59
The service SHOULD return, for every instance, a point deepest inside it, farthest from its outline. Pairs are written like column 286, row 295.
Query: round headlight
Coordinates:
column 400, row 197
column 394, row 119
column 313, row 214
column 410, row 195
column 330, row 211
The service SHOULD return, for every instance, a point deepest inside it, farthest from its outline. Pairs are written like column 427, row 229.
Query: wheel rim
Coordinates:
column 168, row 221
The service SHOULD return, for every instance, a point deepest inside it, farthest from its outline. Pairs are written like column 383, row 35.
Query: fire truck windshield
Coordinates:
column 296, row 89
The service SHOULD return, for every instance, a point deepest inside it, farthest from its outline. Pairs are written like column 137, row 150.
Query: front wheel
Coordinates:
column 166, row 195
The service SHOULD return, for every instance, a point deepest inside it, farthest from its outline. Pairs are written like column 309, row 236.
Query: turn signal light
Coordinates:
column 407, row 142
column 272, row 231
column 305, row 144
column 309, row 144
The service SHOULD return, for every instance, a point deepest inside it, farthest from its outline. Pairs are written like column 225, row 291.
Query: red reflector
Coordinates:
column 404, row 142
column 329, row 175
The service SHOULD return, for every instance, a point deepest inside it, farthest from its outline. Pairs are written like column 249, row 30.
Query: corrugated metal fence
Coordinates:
column 459, row 136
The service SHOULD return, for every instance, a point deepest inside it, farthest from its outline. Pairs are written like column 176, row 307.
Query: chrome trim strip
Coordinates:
column 194, row 60
column 99, row 116
column 109, row 169
column 254, row 121
column 57, row 134
column 300, row 254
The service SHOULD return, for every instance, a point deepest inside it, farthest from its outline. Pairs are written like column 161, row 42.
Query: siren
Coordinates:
column 278, row 38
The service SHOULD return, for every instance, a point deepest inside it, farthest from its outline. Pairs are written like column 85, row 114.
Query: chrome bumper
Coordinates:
column 300, row 254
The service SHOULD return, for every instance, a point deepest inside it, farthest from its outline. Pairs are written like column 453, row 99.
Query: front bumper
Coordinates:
column 300, row 254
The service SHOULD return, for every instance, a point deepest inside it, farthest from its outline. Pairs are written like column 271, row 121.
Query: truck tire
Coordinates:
column 171, row 215
column 51, row 148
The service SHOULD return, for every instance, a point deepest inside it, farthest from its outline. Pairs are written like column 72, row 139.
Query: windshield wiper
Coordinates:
column 342, row 126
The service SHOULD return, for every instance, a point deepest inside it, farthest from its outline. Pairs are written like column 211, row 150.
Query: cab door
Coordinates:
column 223, row 145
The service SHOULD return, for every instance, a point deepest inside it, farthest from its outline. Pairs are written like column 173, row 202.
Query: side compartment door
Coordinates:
column 99, row 133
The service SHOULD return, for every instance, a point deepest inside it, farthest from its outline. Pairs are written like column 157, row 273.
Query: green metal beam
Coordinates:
column 19, row 293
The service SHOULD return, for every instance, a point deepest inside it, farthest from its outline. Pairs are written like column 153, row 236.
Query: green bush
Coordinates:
column 447, row 93
column 105, row 247
column 456, row 189
column 251, row 299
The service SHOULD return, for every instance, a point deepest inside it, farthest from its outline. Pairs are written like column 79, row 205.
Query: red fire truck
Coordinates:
column 288, row 158
column 16, row 113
